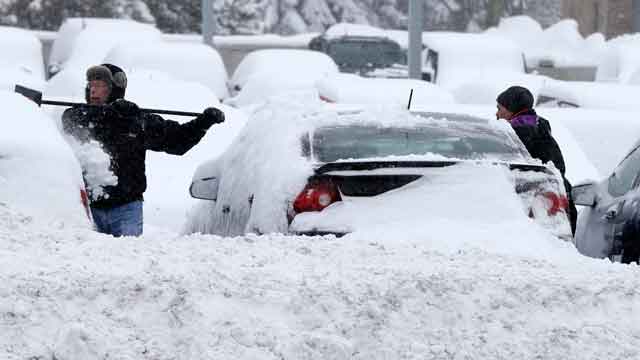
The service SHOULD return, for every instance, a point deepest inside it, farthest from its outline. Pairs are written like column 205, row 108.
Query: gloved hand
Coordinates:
column 210, row 116
column 125, row 108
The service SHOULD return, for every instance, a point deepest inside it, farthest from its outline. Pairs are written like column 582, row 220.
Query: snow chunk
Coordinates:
column 96, row 165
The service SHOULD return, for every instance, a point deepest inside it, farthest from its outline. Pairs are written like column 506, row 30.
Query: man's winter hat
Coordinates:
column 113, row 76
column 516, row 99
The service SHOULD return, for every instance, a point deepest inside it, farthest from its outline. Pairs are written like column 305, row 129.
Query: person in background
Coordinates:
column 516, row 106
column 125, row 134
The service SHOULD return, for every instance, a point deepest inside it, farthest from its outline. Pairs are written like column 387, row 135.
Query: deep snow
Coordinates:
column 398, row 293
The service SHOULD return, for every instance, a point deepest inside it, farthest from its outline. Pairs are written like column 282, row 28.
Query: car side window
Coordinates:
column 624, row 177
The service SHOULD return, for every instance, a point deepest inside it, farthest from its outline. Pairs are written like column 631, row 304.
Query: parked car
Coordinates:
column 353, row 89
column 588, row 95
column 609, row 223
column 195, row 62
column 292, row 62
column 39, row 174
column 94, row 37
column 22, row 61
column 303, row 172
column 371, row 56
column 475, row 67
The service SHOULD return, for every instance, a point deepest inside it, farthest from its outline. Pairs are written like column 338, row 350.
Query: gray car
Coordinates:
column 608, row 225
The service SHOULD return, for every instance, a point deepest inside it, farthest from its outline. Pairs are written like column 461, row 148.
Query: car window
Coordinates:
column 361, row 54
column 459, row 142
column 624, row 177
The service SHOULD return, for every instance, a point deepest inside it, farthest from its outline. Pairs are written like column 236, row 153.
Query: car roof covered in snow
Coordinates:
column 22, row 51
column 293, row 61
column 195, row 62
column 351, row 88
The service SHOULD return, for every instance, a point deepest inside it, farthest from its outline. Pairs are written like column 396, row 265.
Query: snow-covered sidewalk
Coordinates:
column 74, row 294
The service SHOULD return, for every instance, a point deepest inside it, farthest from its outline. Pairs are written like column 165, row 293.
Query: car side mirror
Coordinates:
column 204, row 189
column 584, row 194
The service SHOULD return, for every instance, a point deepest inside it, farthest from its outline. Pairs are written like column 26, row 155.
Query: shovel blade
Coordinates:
column 31, row 94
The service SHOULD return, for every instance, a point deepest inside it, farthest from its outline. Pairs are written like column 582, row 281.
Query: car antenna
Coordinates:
column 410, row 97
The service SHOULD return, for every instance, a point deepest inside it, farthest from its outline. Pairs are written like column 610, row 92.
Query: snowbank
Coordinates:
column 425, row 291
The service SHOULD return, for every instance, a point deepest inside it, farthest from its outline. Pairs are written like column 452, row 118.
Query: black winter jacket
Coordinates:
column 535, row 133
column 126, row 138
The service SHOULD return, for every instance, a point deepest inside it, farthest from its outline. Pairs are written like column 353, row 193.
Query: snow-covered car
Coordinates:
column 609, row 223
column 294, row 63
column 94, row 37
column 338, row 172
column 21, row 62
column 353, row 89
column 194, row 62
column 39, row 174
column 590, row 95
column 475, row 67
column 363, row 55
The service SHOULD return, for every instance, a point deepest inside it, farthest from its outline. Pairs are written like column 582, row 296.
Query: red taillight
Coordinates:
column 326, row 99
column 316, row 196
column 84, row 198
column 555, row 203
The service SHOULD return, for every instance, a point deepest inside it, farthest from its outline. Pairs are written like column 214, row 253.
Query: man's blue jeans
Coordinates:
column 123, row 220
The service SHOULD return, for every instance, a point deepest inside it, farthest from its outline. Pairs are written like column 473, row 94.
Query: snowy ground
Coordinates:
column 74, row 294
column 482, row 283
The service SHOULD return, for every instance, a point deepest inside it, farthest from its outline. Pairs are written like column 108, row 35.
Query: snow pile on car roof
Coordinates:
column 353, row 89
column 560, row 43
column 193, row 62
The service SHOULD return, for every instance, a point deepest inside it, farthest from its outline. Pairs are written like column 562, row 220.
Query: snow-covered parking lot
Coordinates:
column 456, row 269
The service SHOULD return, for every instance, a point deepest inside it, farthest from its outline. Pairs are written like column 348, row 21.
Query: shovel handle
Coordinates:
column 153, row 111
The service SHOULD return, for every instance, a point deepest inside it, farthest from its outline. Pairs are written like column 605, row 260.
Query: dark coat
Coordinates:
column 535, row 133
column 126, row 138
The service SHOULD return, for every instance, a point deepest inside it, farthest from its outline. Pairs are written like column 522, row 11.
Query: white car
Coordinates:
column 100, row 35
column 195, row 62
column 353, row 89
column 475, row 67
column 39, row 174
column 294, row 63
column 588, row 95
column 321, row 171
column 22, row 61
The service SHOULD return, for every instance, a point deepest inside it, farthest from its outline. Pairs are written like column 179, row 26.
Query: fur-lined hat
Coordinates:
column 113, row 76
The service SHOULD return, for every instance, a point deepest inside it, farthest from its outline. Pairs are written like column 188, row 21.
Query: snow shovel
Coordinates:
column 36, row 96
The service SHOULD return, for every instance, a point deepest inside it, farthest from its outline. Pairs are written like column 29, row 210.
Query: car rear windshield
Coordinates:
column 455, row 141
column 362, row 54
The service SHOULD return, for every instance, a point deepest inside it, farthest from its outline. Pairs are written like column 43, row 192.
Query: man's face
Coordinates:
column 503, row 113
column 98, row 92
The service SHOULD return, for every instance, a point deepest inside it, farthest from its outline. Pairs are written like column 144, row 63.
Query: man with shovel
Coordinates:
column 126, row 133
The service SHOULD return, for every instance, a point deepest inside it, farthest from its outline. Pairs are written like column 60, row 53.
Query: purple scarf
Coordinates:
column 524, row 120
